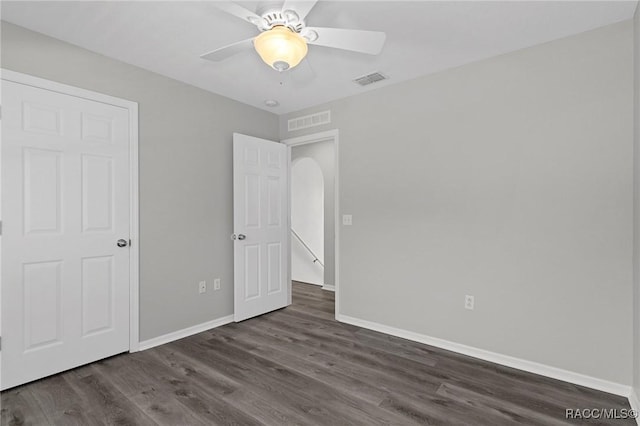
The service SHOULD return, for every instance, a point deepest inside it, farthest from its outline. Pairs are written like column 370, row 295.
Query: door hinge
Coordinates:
column 0, row 227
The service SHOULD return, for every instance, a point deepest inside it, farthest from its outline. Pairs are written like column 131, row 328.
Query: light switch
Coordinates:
column 347, row 220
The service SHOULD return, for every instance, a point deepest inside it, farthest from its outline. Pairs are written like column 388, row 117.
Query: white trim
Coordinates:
column 185, row 332
column 506, row 360
column 329, row 135
column 329, row 287
column 134, row 233
column 289, row 225
column 65, row 89
column 634, row 402
column 312, row 138
column 134, row 251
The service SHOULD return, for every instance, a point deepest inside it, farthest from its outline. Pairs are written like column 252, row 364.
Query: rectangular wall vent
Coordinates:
column 311, row 120
column 368, row 79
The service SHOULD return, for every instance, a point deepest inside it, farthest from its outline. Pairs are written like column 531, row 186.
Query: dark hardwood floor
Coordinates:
column 298, row 366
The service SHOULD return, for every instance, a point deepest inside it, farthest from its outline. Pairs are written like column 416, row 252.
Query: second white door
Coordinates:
column 261, row 226
column 65, row 205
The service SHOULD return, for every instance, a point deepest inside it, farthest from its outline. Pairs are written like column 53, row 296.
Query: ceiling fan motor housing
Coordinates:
column 285, row 18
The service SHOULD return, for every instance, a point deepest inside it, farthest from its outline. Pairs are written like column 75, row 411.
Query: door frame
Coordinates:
column 326, row 136
column 134, row 248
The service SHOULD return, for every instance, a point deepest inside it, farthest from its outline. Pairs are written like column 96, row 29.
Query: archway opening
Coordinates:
column 307, row 221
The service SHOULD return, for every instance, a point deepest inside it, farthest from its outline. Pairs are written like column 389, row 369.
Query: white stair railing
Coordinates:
column 315, row 258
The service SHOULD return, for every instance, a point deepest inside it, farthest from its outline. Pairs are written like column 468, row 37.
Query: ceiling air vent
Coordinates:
column 368, row 79
column 307, row 121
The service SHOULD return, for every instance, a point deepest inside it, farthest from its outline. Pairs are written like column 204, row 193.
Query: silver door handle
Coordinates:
column 238, row 237
column 122, row 243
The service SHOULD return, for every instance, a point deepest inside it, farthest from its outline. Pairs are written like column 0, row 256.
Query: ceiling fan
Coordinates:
column 284, row 36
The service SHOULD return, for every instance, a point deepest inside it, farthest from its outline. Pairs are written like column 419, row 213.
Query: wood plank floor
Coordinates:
column 297, row 366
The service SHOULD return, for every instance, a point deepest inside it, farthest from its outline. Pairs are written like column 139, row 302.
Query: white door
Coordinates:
column 65, row 204
column 261, row 226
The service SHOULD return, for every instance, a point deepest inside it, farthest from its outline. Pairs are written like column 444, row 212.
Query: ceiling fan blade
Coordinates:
column 370, row 42
column 227, row 51
column 238, row 11
column 302, row 8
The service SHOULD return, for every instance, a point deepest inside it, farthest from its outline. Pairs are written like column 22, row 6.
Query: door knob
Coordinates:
column 238, row 237
column 122, row 243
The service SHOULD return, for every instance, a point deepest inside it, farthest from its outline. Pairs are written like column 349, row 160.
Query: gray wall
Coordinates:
column 324, row 154
column 509, row 179
column 185, row 174
column 636, row 217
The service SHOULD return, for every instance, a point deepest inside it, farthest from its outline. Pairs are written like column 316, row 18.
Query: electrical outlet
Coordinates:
column 469, row 302
column 216, row 284
column 347, row 219
column 202, row 287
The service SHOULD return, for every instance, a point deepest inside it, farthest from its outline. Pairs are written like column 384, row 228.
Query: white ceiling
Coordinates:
column 423, row 37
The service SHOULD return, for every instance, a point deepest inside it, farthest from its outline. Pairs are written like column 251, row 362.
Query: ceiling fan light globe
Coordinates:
column 280, row 48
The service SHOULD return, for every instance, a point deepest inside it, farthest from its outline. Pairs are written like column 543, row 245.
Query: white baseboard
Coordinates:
column 329, row 287
column 185, row 332
column 509, row 361
column 634, row 401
